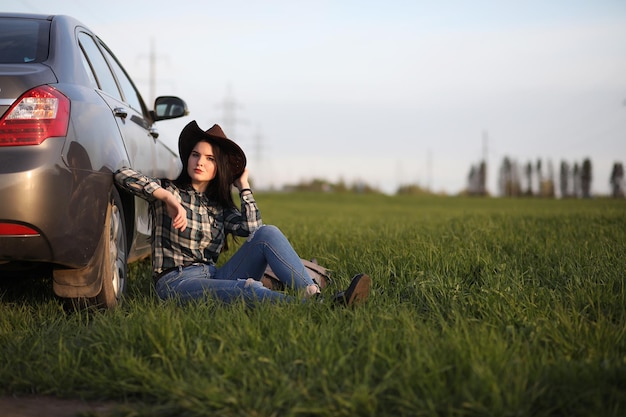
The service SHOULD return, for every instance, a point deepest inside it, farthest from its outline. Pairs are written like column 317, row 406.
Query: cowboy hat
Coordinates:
column 192, row 134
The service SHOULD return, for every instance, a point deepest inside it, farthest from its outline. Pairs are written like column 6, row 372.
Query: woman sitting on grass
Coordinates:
column 193, row 214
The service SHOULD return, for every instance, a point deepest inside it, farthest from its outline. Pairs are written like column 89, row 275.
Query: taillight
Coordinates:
column 39, row 114
column 13, row 229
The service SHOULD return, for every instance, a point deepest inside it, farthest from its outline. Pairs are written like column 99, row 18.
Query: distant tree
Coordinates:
column 509, row 179
column 322, row 185
column 476, row 180
column 585, row 178
column 529, row 179
column 361, row 187
column 504, row 177
column 341, row 186
column 412, row 189
column 617, row 180
column 547, row 184
column 482, row 178
column 539, row 176
column 576, row 180
column 516, row 178
column 471, row 181
column 564, row 179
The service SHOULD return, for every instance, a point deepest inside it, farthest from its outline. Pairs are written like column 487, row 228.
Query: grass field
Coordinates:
column 480, row 307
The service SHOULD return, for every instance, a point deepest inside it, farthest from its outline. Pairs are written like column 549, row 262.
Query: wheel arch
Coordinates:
column 85, row 282
column 128, row 205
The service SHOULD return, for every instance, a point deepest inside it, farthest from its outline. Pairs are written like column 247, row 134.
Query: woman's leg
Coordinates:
column 268, row 245
column 196, row 282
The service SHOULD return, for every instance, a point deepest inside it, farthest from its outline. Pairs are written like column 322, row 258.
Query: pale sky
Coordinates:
column 390, row 93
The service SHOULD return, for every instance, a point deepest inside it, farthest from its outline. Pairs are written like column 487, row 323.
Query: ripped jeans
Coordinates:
column 240, row 277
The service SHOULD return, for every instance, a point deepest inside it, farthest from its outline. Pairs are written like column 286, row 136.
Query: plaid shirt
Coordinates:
column 207, row 224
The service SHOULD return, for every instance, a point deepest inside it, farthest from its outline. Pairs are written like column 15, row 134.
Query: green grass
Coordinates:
column 480, row 307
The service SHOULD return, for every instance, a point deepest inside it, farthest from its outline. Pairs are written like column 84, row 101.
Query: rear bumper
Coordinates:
column 67, row 206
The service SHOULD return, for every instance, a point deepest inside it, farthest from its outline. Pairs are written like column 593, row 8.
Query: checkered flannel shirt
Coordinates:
column 207, row 224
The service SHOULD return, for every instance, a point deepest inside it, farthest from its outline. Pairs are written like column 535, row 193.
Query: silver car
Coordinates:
column 69, row 117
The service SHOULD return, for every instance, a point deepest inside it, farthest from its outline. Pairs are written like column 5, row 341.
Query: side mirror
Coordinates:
column 169, row 107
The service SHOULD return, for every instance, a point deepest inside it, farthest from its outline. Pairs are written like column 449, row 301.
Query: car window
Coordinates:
column 104, row 77
column 88, row 69
column 23, row 40
column 131, row 95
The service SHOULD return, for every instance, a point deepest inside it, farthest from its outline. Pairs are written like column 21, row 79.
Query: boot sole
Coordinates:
column 359, row 290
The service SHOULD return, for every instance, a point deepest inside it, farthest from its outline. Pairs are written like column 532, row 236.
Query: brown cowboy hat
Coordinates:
column 192, row 134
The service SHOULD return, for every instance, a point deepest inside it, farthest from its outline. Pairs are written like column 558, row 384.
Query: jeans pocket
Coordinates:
column 164, row 283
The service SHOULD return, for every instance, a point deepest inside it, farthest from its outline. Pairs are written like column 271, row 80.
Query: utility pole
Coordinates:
column 152, row 59
column 152, row 62
column 229, row 108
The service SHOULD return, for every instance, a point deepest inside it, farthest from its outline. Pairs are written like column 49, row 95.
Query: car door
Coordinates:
column 163, row 161
column 125, row 103
column 132, row 118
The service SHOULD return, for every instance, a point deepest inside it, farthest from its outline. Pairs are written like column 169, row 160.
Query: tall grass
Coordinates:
column 479, row 307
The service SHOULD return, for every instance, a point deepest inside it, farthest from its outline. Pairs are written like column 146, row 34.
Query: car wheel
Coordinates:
column 115, row 273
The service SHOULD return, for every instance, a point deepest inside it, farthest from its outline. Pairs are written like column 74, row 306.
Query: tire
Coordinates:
column 115, row 269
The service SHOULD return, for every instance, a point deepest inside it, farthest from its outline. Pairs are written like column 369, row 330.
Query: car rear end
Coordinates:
column 36, row 185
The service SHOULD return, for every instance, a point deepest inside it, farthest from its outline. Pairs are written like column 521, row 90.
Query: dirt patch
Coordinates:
column 45, row 406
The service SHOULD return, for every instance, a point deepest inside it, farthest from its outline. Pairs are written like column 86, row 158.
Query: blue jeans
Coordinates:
column 231, row 282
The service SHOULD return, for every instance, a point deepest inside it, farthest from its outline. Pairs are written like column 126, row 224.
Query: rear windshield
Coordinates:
column 23, row 40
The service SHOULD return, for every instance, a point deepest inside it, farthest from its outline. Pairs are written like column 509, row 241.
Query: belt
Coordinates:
column 160, row 275
column 166, row 271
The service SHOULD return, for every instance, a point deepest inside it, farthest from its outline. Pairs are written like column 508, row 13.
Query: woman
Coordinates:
column 192, row 216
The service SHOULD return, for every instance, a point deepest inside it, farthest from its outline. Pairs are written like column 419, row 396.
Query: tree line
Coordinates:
column 534, row 179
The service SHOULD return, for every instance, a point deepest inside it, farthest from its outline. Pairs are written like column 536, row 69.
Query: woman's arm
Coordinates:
column 137, row 183
column 242, row 183
column 246, row 221
column 174, row 209
column 150, row 189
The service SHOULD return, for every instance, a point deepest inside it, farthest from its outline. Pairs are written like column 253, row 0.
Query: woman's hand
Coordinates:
column 178, row 214
column 174, row 209
column 242, row 182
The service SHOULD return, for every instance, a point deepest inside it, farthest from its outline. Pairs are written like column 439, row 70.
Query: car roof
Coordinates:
column 68, row 20
column 27, row 15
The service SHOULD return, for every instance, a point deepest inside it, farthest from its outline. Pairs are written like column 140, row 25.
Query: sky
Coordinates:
column 389, row 93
